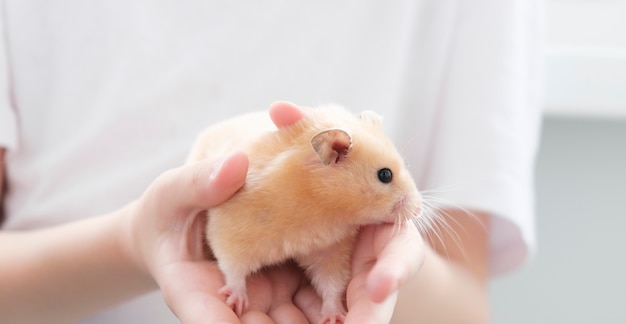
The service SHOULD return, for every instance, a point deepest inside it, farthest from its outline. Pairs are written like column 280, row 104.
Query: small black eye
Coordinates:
column 385, row 175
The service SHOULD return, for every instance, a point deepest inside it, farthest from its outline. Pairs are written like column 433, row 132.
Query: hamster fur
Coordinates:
column 309, row 187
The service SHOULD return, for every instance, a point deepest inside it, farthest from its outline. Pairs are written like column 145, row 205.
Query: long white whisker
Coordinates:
column 405, row 146
column 441, row 204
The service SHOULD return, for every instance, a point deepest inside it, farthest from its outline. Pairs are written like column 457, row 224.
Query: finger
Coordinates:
column 271, row 293
column 284, row 113
column 204, row 308
column 362, row 310
column 288, row 313
column 309, row 302
column 190, row 289
column 399, row 257
column 256, row 317
column 260, row 293
column 285, row 281
column 201, row 185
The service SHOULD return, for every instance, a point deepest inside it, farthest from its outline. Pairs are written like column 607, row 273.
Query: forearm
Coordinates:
column 451, row 286
column 66, row 272
column 442, row 292
column 2, row 185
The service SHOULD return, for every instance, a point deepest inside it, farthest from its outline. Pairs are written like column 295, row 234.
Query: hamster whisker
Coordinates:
column 423, row 229
column 439, row 211
column 437, row 190
column 438, row 226
column 442, row 204
column 401, row 218
column 397, row 225
column 442, row 225
column 427, row 228
column 405, row 146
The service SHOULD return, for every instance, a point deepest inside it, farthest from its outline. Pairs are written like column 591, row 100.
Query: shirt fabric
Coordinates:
column 101, row 97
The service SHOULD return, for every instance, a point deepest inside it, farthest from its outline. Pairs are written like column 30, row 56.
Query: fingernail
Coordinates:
column 217, row 166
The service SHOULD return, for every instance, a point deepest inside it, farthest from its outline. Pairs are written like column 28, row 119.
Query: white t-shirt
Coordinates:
column 101, row 97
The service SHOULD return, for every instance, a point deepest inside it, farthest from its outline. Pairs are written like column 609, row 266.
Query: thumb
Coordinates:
column 400, row 255
column 201, row 185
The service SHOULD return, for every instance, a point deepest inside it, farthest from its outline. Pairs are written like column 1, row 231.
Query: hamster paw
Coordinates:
column 236, row 299
column 333, row 319
column 332, row 312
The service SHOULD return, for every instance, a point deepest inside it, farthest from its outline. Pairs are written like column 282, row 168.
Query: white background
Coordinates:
column 586, row 58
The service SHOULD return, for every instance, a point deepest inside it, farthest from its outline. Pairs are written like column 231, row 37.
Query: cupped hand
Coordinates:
column 386, row 256
column 169, row 224
column 166, row 228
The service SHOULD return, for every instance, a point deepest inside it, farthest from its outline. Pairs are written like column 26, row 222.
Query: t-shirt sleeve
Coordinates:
column 8, row 120
column 487, row 120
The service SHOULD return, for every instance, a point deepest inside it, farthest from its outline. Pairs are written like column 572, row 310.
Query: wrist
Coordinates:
column 53, row 269
column 129, row 243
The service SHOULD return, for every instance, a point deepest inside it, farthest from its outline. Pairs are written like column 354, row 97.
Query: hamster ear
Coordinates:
column 371, row 117
column 332, row 145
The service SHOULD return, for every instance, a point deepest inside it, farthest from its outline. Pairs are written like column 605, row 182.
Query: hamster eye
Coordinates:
column 385, row 175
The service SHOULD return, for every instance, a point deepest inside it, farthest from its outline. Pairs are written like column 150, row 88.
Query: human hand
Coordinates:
column 385, row 257
column 165, row 235
column 168, row 233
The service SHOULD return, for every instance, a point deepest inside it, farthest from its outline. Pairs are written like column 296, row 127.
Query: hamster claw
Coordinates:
column 237, row 300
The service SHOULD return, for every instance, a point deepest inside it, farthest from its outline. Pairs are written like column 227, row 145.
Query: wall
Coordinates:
column 586, row 58
column 578, row 274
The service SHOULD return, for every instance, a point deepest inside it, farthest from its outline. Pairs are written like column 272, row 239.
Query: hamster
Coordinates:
column 309, row 188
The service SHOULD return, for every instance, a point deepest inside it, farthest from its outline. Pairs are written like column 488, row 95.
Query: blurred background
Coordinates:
column 578, row 274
